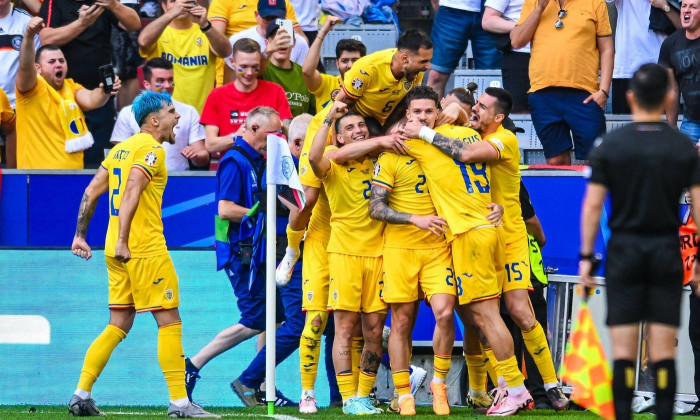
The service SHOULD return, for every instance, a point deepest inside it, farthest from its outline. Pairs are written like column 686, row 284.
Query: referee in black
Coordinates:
column 644, row 166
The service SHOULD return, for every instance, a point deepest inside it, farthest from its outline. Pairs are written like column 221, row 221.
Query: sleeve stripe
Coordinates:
column 349, row 95
column 104, row 167
column 494, row 146
column 382, row 184
column 144, row 169
column 218, row 19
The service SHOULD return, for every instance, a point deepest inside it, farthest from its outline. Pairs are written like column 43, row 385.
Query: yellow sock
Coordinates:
column 172, row 359
column 402, row 382
column 98, row 354
column 441, row 365
column 491, row 363
column 346, row 385
column 476, row 367
column 536, row 344
column 358, row 343
column 509, row 370
column 366, row 383
column 294, row 237
column 310, row 348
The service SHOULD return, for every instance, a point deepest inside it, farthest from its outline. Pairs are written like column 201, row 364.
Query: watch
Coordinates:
column 667, row 8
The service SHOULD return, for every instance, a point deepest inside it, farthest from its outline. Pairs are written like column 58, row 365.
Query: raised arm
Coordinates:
column 26, row 75
column 135, row 185
column 150, row 34
column 87, row 15
column 97, row 187
column 312, row 76
column 523, row 33
column 318, row 160
column 128, row 18
column 479, row 151
column 218, row 43
column 379, row 209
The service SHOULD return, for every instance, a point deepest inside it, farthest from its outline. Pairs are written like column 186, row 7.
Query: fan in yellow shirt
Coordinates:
column 7, row 123
column 500, row 149
column 192, row 48
column 475, row 247
column 415, row 253
column 141, row 274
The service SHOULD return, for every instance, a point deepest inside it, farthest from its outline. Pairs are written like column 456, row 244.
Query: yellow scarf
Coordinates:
column 72, row 119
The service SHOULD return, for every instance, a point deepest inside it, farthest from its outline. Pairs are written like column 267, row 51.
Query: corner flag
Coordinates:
column 282, row 172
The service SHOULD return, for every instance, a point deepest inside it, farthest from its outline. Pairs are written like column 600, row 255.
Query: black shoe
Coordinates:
column 695, row 411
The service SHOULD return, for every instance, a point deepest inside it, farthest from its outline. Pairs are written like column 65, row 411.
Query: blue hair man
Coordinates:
column 148, row 102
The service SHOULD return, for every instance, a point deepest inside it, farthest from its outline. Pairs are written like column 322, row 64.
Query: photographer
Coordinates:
column 191, row 48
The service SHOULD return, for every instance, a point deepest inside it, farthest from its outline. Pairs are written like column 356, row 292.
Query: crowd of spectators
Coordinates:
column 557, row 58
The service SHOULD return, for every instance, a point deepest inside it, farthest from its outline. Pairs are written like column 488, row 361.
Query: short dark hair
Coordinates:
column 504, row 100
column 342, row 117
column 155, row 63
column 465, row 94
column 649, row 86
column 47, row 47
column 421, row 92
column 350, row 45
column 246, row 45
column 413, row 40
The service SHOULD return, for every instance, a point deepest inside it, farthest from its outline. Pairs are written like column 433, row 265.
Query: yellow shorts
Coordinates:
column 475, row 256
column 356, row 283
column 146, row 284
column 314, row 274
column 516, row 272
column 405, row 269
column 306, row 174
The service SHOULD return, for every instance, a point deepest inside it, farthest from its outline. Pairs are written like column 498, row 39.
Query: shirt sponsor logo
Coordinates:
column 237, row 117
column 407, row 85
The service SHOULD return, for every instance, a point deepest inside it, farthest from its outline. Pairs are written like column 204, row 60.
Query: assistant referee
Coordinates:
column 644, row 166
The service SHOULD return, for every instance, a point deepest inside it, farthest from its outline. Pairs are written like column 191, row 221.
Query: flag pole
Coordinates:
column 270, row 285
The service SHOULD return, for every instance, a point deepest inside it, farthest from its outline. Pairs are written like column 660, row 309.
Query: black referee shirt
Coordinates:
column 645, row 166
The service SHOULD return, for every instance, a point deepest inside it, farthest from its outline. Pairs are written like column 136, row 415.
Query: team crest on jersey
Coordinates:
column 151, row 158
column 377, row 169
column 334, row 94
column 16, row 42
column 407, row 85
column 335, row 295
column 302, row 171
column 309, row 296
column 357, row 83
column 169, row 294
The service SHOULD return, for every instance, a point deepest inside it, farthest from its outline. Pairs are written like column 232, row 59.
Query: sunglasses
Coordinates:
column 559, row 24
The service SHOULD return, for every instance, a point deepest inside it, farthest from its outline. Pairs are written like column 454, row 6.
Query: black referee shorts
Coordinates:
column 644, row 279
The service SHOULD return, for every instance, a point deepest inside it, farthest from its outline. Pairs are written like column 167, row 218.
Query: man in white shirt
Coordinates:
column 268, row 11
column 13, row 23
column 189, row 134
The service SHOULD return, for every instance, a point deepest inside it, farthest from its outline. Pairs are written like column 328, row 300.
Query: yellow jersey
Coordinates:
column 41, row 142
column 348, row 187
column 7, row 114
column 406, row 182
column 327, row 90
column 238, row 15
column 374, row 88
column 193, row 63
column 459, row 191
column 505, row 177
column 140, row 151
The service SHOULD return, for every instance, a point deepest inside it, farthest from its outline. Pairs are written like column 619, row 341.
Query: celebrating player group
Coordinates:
column 409, row 197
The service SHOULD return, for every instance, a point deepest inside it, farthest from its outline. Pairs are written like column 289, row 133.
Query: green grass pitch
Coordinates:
column 26, row 412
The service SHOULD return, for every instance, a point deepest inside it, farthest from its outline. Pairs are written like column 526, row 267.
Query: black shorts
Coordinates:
column 644, row 279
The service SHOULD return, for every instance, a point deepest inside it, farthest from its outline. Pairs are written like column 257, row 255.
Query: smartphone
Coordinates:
column 288, row 26
column 107, row 77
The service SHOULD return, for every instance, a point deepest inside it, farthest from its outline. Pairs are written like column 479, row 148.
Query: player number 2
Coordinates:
column 115, row 192
column 421, row 182
column 367, row 191
column 513, row 271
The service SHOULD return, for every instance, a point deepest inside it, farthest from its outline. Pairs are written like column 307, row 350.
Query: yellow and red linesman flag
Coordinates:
column 586, row 369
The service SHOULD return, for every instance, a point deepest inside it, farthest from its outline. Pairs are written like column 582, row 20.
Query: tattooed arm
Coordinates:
column 379, row 210
column 94, row 190
column 480, row 151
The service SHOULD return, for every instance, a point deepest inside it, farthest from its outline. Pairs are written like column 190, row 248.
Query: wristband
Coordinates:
column 605, row 93
column 426, row 133
column 589, row 257
column 206, row 28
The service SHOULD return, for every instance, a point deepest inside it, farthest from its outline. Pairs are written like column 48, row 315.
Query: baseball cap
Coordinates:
column 277, row 8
